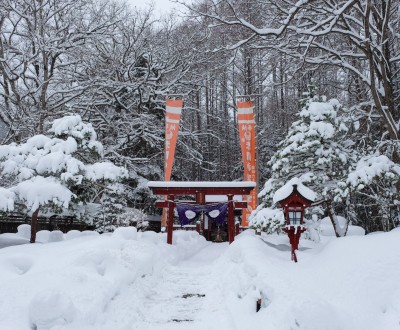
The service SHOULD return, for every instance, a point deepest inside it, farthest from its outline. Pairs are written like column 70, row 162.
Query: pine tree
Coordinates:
column 56, row 172
column 113, row 206
column 314, row 150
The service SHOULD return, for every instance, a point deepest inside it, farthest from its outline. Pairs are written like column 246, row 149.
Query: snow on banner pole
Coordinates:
column 247, row 133
column 172, row 118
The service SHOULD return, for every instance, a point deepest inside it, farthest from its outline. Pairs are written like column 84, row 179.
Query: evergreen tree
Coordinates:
column 314, row 151
column 113, row 206
column 56, row 172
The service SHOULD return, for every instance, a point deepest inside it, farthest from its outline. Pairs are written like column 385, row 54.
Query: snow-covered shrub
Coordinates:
column 268, row 220
column 58, row 171
column 375, row 180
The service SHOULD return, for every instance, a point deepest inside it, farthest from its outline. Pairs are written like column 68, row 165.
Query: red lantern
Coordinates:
column 294, row 203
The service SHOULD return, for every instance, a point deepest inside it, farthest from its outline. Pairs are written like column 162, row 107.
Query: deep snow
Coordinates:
column 132, row 280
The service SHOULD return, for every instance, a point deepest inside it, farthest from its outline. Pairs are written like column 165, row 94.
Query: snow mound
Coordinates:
column 20, row 265
column 324, row 290
column 56, row 236
column 151, row 236
column 50, row 309
column 93, row 271
column 43, row 236
column 89, row 233
column 73, row 234
column 326, row 227
column 24, row 231
column 185, row 244
column 128, row 233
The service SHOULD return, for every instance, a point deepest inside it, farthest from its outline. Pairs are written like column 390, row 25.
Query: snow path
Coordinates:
column 183, row 296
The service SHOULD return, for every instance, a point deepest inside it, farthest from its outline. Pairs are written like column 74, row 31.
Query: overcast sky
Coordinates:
column 161, row 5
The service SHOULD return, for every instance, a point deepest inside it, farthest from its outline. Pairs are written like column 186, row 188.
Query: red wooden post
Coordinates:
column 171, row 206
column 201, row 199
column 231, row 220
column 34, row 225
column 210, row 229
column 237, row 228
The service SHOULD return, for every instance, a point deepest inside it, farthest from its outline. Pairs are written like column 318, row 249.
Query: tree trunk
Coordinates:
column 339, row 232
column 34, row 225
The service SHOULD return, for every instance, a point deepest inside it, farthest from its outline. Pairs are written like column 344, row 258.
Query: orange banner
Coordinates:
column 247, row 133
column 172, row 118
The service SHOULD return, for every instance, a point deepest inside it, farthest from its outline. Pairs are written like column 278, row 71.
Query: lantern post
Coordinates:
column 294, row 204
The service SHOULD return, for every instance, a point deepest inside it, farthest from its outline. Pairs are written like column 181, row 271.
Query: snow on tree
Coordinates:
column 6, row 200
column 55, row 172
column 313, row 151
column 375, row 179
column 113, row 205
column 268, row 219
column 354, row 37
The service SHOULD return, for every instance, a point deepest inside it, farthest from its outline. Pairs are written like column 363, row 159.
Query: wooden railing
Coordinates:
column 10, row 223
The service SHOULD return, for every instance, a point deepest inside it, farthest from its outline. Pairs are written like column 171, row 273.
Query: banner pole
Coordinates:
column 247, row 133
column 173, row 111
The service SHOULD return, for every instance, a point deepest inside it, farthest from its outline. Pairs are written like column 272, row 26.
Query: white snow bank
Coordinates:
column 349, row 283
column 326, row 227
column 185, row 244
column 56, row 236
column 70, row 284
column 109, row 282
column 72, row 234
column 51, row 308
column 24, row 231
column 42, row 236
column 129, row 233
column 287, row 189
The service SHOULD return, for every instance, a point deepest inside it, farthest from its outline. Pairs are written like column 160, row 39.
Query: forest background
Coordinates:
column 114, row 65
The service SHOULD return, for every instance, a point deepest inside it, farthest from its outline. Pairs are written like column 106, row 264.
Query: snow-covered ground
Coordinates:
column 132, row 280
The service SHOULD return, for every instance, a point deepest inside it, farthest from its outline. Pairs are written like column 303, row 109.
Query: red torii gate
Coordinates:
column 200, row 190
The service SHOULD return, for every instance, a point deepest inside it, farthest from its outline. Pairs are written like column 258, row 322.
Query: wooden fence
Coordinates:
column 10, row 223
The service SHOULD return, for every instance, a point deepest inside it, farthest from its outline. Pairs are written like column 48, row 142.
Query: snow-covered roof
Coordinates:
column 201, row 184
column 285, row 191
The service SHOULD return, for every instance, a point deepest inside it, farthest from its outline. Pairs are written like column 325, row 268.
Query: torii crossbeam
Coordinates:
column 200, row 190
